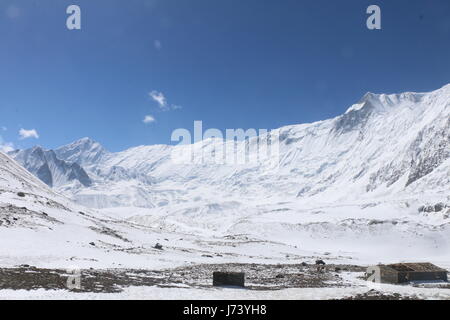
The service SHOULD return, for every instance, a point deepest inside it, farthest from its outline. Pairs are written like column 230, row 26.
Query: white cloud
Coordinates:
column 149, row 119
column 25, row 134
column 5, row 146
column 4, row 128
column 161, row 100
column 157, row 44
column 13, row 12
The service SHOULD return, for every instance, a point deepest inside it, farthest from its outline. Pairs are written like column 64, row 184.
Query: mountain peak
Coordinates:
column 37, row 148
column 83, row 152
column 84, row 141
column 369, row 95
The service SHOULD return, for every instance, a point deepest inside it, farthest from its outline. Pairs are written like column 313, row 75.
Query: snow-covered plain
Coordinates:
column 347, row 190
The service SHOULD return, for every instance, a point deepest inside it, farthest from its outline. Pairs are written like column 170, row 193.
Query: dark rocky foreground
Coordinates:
column 258, row 277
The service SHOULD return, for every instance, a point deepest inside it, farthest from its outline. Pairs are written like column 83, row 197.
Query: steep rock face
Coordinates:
column 54, row 172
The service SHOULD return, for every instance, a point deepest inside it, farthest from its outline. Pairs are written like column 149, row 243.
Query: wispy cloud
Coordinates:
column 4, row 128
column 157, row 44
column 149, row 119
column 13, row 12
column 5, row 146
column 161, row 100
column 25, row 134
column 162, row 103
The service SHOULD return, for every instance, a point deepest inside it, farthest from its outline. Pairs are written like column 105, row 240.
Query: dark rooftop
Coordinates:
column 415, row 267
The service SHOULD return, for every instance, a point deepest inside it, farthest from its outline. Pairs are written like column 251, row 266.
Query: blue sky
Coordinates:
column 230, row 63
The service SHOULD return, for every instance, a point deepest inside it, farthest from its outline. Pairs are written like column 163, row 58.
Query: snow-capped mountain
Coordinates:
column 84, row 152
column 54, row 172
column 385, row 145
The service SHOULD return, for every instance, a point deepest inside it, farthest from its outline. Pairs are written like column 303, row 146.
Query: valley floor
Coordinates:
column 263, row 282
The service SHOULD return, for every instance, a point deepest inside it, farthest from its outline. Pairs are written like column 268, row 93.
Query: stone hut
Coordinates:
column 406, row 272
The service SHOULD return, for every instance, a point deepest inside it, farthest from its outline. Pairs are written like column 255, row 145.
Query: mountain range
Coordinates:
column 384, row 145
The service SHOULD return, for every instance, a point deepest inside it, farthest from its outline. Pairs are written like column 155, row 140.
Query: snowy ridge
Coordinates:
column 15, row 178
